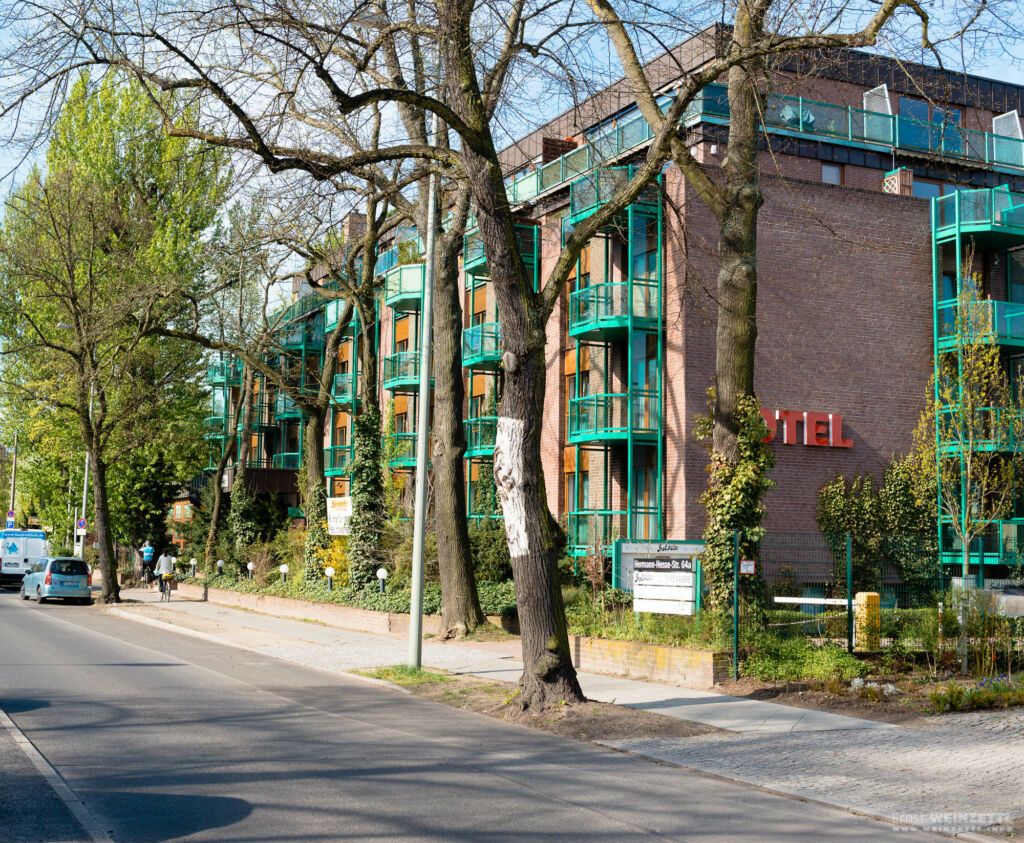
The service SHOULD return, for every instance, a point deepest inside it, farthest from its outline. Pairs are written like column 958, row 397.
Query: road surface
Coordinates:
column 158, row 736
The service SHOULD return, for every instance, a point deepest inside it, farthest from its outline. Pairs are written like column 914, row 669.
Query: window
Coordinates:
column 831, row 173
column 927, row 189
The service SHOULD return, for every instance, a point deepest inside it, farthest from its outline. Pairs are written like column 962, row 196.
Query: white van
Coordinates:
column 19, row 551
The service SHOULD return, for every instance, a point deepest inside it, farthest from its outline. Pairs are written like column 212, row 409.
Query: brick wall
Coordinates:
column 844, row 322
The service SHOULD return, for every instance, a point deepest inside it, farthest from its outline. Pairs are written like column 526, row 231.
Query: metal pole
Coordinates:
column 849, row 593
column 14, row 471
column 736, row 604
column 422, row 438
column 85, row 486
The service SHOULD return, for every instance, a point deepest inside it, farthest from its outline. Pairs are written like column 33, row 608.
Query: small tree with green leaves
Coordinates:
column 978, row 419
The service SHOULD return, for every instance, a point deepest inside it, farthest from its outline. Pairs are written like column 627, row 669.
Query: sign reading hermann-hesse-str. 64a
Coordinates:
column 664, row 576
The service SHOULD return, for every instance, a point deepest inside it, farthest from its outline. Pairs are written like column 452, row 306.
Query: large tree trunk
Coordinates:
column 218, row 492
column 108, row 564
column 460, row 604
column 245, row 437
column 737, row 250
column 317, row 538
column 548, row 674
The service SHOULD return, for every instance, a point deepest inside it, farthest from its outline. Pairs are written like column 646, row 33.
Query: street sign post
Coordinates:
column 80, row 527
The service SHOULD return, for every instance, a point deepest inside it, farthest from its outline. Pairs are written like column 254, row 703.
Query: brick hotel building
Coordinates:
column 852, row 275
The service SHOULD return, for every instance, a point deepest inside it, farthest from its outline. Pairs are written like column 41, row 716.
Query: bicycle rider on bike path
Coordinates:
column 164, row 570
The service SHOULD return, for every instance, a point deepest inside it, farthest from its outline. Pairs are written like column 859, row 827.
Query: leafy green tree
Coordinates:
column 93, row 254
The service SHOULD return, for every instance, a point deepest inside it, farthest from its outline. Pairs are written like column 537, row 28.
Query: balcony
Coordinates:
column 481, row 346
column 402, row 450
column 289, row 459
column 480, row 433
column 784, row 115
column 224, row 373
column 332, row 314
column 994, row 218
column 604, row 311
column 337, row 460
column 403, row 286
column 262, row 416
column 588, row 529
column 614, row 416
column 996, row 321
column 303, row 336
column 345, row 390
column 985, row 429
column 284, row 408
column 213, row 427
column 475, row 261
column 406, row 246
column 590, row 192
column 402, row 372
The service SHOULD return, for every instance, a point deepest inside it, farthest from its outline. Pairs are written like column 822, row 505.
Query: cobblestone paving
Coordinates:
column 963, row 763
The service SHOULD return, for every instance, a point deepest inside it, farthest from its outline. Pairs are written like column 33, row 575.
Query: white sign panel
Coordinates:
column 339, row 514
column 665, row 607
column 673, row 578
column 663, row 576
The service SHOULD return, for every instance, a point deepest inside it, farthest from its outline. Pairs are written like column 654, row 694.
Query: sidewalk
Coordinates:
column 341, row 650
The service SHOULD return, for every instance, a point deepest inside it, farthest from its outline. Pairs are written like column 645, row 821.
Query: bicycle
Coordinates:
column 165, row 587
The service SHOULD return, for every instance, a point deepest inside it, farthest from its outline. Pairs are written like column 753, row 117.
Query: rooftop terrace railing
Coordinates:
column 994, row 207
column 786, row 115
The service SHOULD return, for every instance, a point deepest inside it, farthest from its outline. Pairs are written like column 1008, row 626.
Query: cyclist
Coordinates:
column 165, row 573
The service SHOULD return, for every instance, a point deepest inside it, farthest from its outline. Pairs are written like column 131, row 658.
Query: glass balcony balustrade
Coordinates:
column 288, row 459
column 481, row 346
column 589, row 529
column 993, row 217
column 480, row 435
column 337, row 460
column 607, row 309
column 402, row 372
column 474, row 260
column 406, row 245
column 346, row 388
column 994, row 321
column 402, row 450
column 224, row 373
column 983, row 429
column 262, row 416
column 308, row 334
column 609, row 416
column 213, row 427
column 285, row 408
column 783, row 115
column 333, row 310
column 403, row 286
column 591, row 191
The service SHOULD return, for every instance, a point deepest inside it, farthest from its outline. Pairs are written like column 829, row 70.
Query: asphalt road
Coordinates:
column 166, row 737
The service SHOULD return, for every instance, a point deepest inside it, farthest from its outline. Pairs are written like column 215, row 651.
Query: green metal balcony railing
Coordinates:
column 402, row 372
column 610, row 307
column 402, row 452
column 407, row 243
column 346, row 388
column 403, row 286
column 599, row 528
column 784, row 115
column 591, row 191
column 224, row 373
column 481, row 346
column 997, row 211
column 262, row 416
column 480, row 435
column 289, row 459
column 614, row 415
column 338, row 460
column 333, row 310
column 983, row 429
column 285, row 408
column 475, row 260
column 213, row 427
column 997, row 321
column 301, row 335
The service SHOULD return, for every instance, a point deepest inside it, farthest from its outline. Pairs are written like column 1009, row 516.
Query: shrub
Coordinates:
column 489, row 547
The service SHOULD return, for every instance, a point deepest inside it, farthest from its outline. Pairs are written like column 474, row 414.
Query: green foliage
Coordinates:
column 734, row 501
column 242, row 516
column 1004, row 692
column 775, row 659
column 368, row 506
column 317, row 539
column 489, row 548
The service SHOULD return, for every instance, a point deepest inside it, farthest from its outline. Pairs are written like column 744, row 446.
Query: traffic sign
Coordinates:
column 10, row 513
column 81, row 524
column 10, row 523
column 80, row 527
column 748, row 566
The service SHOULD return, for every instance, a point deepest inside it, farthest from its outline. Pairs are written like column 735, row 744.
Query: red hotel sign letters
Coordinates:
column 821, row 429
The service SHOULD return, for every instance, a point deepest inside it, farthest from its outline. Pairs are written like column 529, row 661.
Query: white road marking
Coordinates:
column 93, row 827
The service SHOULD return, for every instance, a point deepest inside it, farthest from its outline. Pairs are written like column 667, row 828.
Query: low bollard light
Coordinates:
column 249, row 567
column 220, row 566
column 329, row 573
column 382, row 574
column 284, row 573
column 192, row 565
